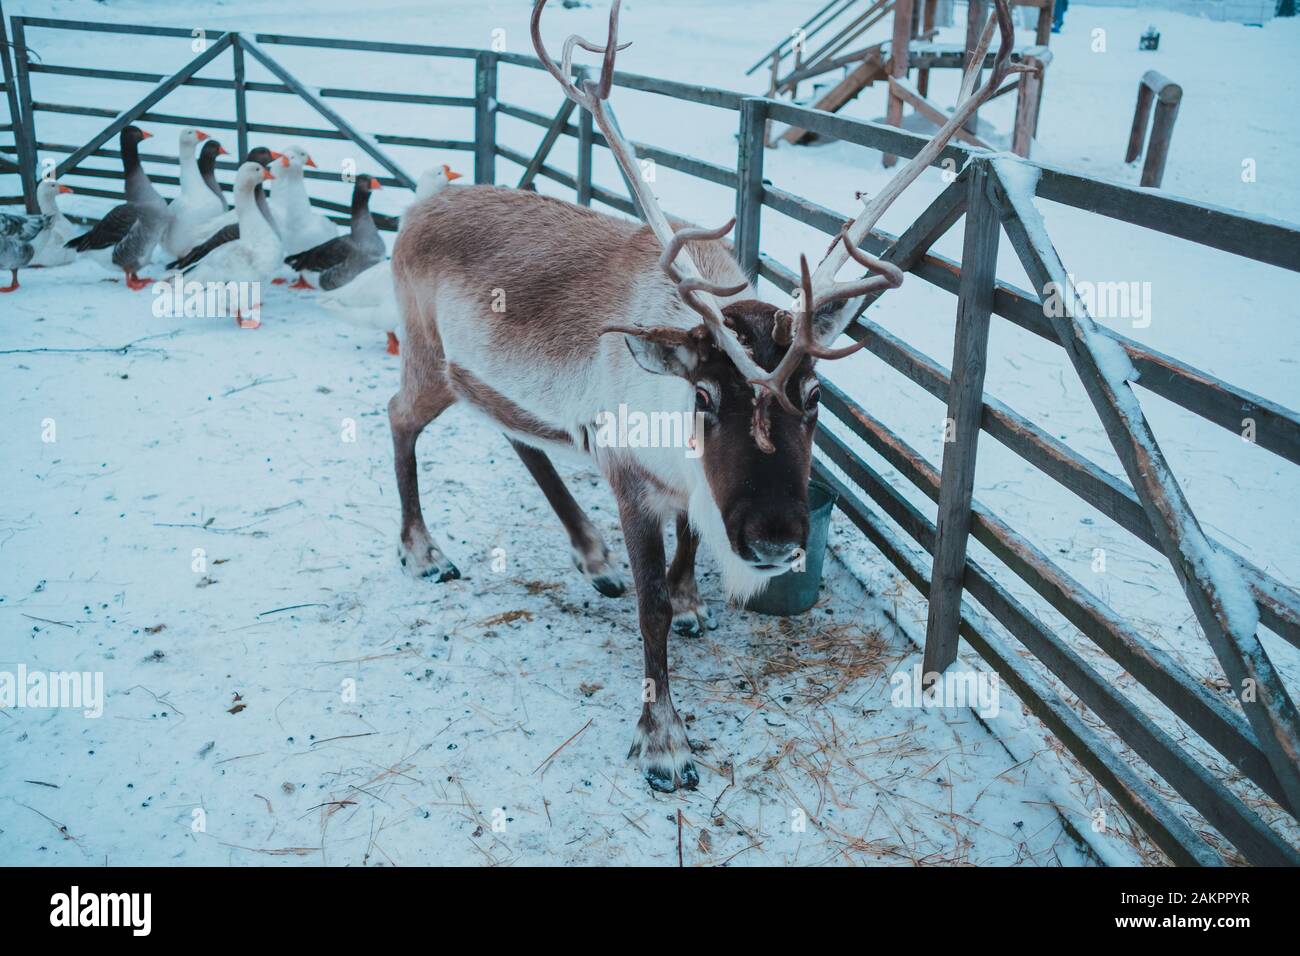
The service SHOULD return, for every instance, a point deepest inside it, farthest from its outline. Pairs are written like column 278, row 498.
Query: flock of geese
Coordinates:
column 263, row 238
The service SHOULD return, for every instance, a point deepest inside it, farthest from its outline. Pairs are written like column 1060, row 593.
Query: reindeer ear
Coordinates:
column 830, row 320
column 664, row 350
column 662, row 358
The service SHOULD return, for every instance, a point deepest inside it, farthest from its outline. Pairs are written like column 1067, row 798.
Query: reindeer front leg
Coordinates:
column 690, row 614
column 661, row 746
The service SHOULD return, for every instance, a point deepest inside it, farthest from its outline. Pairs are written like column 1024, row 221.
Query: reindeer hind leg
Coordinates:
column 425, row 393
column 590, row 554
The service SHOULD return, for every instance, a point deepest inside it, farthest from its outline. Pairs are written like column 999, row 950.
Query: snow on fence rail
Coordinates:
column 1260, row 736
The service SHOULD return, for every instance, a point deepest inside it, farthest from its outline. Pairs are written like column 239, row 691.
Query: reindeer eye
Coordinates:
column 703, row 400
column 813, row 398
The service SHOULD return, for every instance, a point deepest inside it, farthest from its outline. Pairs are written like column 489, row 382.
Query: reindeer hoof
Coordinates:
column 663, row 752
column 694, row 621
column 427, row 562
column 600, row 572
column 610, row 585
column 663, row 780
column 691, row 616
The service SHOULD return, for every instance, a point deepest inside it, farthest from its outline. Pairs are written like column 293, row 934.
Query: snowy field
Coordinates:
column 203, row 531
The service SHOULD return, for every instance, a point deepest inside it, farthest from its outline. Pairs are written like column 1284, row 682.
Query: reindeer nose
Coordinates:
column 773, row 541
column 775, row 553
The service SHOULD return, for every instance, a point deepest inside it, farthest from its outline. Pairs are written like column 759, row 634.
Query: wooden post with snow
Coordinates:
column 899, row 49
column 979, row 264
column 749, row 183
column 485, row 117
column 1167, row 95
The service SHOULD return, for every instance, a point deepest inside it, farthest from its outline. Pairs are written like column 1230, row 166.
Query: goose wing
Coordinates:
column 109, row 231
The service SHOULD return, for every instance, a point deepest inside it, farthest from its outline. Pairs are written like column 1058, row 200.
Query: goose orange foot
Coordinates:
column 14, row 284
column 135, row 283
column 302, row 283
column 252, row 321
column 393, row 347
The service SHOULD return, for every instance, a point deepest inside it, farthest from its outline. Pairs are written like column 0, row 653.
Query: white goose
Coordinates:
column 301, row 227
column 49, row 245
column 369, row 300
column 195, row 206
column 254, row 256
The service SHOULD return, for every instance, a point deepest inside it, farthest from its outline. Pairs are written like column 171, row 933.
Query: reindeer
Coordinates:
column 542, row 315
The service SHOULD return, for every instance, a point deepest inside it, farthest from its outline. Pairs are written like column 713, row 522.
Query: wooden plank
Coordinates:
column 368, row 145
column 485, row 121
column 1255, row 237
column 1254, row 680
column 1186, row 696
column 24, row 157
column 749, row 189
column 370, row 46
column 1227, row 405
column 899, row 48
column 909, row 94
column 1183, row 846
column 132, row 113
column 962, row 427
column 241, row 102
column 586, row 133
column 1162, row 131
column 858, row 79
column 552, row 134
column 87, row 26
column 1279, row 605
column 1029, row 92
column 202, row 82
column 1141, row 117
column 781, row 48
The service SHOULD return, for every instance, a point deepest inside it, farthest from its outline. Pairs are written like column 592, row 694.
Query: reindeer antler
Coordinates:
column 816, row 290
column 694, row 289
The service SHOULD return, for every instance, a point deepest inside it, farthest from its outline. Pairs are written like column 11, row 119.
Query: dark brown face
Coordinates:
column 763, row 497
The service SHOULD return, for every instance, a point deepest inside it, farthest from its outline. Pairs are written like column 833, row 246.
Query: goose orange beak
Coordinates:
column 144, row 133
column 284, row 160
column 201, row 135
column 64, row 189
column 450, row 173
column 310, row 162
column 375, row 183
column 275, row 156
column 266, row 174
column 222, row 151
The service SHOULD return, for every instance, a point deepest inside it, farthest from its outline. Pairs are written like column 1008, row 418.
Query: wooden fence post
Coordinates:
column 977, row 14
column 749, row 183
column 1028, row 95
column 899, row 52
column 24, row 128
column 485, row 117
column 586, row 138
column 15, row 125
column 1154, row 87
column 241, row 103
column 979, row 263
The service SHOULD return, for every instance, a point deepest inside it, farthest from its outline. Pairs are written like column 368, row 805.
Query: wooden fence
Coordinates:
column 1258, row 733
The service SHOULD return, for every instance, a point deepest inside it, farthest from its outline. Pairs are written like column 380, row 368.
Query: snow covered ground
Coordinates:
column 202, row 532
column 231, row 443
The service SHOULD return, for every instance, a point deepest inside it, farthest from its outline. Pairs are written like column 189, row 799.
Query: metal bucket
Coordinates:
column 796, row 591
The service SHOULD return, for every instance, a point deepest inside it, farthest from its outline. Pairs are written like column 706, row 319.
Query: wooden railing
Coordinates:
column 1256, row 734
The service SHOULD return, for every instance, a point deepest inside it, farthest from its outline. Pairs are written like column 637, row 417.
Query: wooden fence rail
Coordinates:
column 1256, row 733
